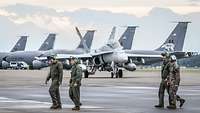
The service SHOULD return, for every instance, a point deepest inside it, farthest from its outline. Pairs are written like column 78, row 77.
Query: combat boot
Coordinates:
column 182, row 101
column 171, row 107
column 56, row 107
column 159, row 106
column 76, row 108
column 52, row 107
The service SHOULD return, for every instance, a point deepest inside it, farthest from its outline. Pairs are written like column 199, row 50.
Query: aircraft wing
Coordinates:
column 65, row 56
column 155, row 54
column 101, row 53
column 144, row 55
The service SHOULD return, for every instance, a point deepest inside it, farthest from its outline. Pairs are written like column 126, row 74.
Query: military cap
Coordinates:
column 166, row 54
column 52, row 57
column 173, row 57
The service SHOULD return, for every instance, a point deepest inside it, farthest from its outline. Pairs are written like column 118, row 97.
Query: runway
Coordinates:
column 23, row 91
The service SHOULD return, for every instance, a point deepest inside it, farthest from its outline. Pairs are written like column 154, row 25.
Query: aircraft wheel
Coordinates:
column 117, row 75
column 120, row 73
column 112, row 74
column 86, row 74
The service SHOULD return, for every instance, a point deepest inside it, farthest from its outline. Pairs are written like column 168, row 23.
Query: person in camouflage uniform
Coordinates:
column 75, row 83
column 56, row 75
column 174, row 81
column 164, row 76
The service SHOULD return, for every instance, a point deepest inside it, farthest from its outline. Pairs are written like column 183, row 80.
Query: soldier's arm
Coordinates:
column 171, row 68
column 177, row 76
column 73, row 74
column 48, row 78
column 80, row 73
column 78, row 76
column 60, row 69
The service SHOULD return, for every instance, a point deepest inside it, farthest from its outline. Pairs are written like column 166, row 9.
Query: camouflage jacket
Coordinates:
column 56, row 72
column 76, row 73
column 165, row 70
column 174, row 74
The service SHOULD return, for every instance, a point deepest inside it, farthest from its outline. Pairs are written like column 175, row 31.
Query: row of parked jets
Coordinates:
column 114, row 56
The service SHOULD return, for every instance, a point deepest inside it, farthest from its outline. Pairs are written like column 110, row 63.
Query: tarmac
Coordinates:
column 24, row 91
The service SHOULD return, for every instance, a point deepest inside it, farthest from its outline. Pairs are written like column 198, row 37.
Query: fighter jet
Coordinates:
column 19, row 46
column 108, row 57
column 20, row 58
column 113, row 58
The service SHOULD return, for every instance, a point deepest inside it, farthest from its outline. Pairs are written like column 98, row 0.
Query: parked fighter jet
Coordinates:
column 19, row 46
column 21, row 58
column 112, row 58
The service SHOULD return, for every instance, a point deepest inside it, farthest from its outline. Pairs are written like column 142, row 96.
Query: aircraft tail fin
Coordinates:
column 87, row 39
column 48, row 43
column 126, row 39
column 20, row 45
column 85, row 46
column 79, row 33
column 176, row 39
column 112, row 35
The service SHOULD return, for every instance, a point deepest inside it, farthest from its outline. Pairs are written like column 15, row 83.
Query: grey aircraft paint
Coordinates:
column 48, row 43
column 29, row 56
column 173, row 44
column 88, row 38
column 176, row 39
column 126, row 39
column 20, row 45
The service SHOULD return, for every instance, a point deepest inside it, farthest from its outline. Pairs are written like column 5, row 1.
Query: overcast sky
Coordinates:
column 37, row 18
column 136, row 7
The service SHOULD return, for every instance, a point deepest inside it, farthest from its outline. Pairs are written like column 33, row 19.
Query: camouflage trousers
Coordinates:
column 161, row 92
column 74, row 94
column 173, row 93
column 55, row 93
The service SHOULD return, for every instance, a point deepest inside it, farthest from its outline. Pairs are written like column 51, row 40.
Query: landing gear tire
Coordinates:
column 112, row 74
column 117, row 75
column 120, row 73
column 86, row 74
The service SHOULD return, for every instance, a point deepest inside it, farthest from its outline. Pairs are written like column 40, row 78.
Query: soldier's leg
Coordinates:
column 178, row 98
column 76, row 93
column 52, row 94
column 182, row 101
column 79, row 95
column 161, row 95
column 71, row 94
column 172, row 94
column 169, row 96
column 58, row 96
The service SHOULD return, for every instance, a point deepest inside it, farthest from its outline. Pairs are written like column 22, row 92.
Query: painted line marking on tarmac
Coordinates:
column 130, row 87
column 37, row 95
column 35, row 104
